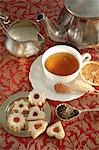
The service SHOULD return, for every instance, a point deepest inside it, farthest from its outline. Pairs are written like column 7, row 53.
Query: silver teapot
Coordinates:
column 78, row 23
column 23, row 37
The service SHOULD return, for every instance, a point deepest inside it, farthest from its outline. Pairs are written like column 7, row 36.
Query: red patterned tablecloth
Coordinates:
column 81, row 133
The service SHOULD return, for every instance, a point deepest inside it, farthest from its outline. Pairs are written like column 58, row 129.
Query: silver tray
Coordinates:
column 6, row 109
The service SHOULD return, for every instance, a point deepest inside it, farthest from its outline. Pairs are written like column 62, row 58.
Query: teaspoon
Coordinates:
column 67, row 112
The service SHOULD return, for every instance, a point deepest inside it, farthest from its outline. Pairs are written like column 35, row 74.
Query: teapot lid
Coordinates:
column 83, row 8
column 23, row 30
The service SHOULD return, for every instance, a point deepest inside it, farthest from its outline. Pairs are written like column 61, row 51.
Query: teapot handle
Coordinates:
column 4, row 21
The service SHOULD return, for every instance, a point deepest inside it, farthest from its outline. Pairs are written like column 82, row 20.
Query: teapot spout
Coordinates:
column 56, row 33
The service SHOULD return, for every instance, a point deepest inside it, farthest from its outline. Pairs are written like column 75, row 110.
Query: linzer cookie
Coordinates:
column 56, row 130
column 16, row 122
column 20, row 106
column 35, row 114
column 36, row 127
column 37, row 97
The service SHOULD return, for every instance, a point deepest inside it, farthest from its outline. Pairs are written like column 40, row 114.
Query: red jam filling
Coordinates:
column 56, row 129
column 36, row 96
column 37, row 126
column 16, row 119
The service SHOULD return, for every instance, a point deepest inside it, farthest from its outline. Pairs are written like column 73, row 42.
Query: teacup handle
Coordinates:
column 86, row 57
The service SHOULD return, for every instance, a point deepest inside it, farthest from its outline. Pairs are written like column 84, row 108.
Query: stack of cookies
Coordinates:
column 29, row 115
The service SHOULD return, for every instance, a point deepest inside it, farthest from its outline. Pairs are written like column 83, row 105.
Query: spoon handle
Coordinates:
column 91, row 92
column 86, row 110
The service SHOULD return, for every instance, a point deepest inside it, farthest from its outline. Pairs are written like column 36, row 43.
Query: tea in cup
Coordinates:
column 62, row 63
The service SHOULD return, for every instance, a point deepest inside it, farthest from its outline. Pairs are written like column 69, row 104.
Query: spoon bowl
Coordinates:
column 67, row 112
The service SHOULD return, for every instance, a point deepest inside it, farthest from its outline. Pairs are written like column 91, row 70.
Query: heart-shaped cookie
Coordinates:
column 35, row 113
column 56, row 130
column 36, row 127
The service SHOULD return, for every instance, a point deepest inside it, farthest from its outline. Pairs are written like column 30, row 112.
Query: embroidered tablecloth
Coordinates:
column 83, row 132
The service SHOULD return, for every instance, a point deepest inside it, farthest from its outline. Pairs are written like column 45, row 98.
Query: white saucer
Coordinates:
column 37, row 79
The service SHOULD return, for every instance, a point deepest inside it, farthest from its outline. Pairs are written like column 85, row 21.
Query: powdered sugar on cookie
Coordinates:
column 20, row 106
column 56, row 130
column 37, row 97
column 16, row 121
column 35, row 113
column 37, row 127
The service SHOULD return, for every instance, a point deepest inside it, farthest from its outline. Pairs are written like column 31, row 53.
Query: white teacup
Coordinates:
column 55, row 78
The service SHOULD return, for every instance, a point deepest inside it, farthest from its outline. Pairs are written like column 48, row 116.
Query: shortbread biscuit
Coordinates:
column 36, row 97
column 35, row 128
column 16, row 121
column 20, row 106
column 35, row 113
column 56, row 130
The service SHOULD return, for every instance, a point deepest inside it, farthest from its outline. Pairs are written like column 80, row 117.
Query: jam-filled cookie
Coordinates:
column 35, row 128
column 16, row 121
column 35, row 113
column 56, row 130
column 20, row 106
column 37, row 97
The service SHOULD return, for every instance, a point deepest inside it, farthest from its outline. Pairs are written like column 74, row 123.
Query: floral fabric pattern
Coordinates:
column 82, row 133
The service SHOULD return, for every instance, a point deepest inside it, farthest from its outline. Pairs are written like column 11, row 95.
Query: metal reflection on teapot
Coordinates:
column 78, row 27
